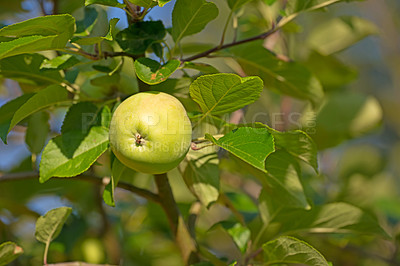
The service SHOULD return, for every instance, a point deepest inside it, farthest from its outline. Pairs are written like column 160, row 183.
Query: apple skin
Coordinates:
column 150, row 132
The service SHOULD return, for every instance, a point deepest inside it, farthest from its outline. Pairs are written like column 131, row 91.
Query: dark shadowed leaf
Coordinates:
column 152, row 72
column 118, row 172
column 330, row 71
column 291, row 250
column 139, row 36
column 337, row 217
column 7, row 112
column 52, row 95
column 202, row 67
column 289, row 78
column 26, row 68
column 191, row 16
column 37, row 131
column 93, row 40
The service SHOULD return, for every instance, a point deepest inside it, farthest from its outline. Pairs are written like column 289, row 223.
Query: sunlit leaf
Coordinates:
column 287, row 249
column 223, row 93
column 37, row 34
column 113, row 3
column 59, row 63
column 84, row 138
column 49, row 226
column 252, row 145
column 191, row 16
column 152, row 72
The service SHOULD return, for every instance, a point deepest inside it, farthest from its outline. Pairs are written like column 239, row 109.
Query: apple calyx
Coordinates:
column 139, row 140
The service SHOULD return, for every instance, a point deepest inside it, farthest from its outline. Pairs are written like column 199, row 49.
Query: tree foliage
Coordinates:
column 246, row 192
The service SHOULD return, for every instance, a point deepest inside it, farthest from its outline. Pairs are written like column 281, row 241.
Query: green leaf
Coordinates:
column 234, row 5
column 25, row 69
column 37, row 34
column 287, row 249
column 7, row 112
column 337, row 217
column 344, row 115
column 93, row 40
column 37, row 131
column 49, row 226
column 118, row 172
column 84, row 138
column 240, row 235
column 252, row 145
column 152, row 72
column 144, row 3
column 281, row 186
column 139, row 36
column 223, row 93
column 52, row 95
column 289, row 78
column 201, row 175
column 296, row 142
column 85, row 26
column 202, row 67
column 330, row 71
column 9, row 251
column 58, row 63
column 297, row 6
column 191, row 16
column 339, row 33
column 113, row 3
column 72, row 153
column 80, row 117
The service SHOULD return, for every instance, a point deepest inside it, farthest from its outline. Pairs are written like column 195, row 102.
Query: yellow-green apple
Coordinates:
column 150, row 132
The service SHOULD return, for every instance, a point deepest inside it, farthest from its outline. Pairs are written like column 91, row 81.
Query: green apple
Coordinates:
column 150, row 132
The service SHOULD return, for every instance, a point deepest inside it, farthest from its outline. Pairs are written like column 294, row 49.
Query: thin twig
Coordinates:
column 221, row 47
column 84, row 177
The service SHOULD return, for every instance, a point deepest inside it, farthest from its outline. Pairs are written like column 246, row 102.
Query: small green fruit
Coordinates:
column 150, row 132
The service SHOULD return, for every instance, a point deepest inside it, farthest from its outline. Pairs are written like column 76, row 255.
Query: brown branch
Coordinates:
column 183, row 239
column 77, row 263
column 221, row 47
column 84, row 177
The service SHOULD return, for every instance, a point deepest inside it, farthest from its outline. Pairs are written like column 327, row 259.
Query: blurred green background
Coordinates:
column 356, row 128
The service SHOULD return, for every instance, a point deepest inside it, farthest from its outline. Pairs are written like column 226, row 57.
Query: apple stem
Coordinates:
column 183, row 239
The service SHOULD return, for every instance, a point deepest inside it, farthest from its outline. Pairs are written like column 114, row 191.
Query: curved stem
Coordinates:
column 225, row 28
column 183, row 239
